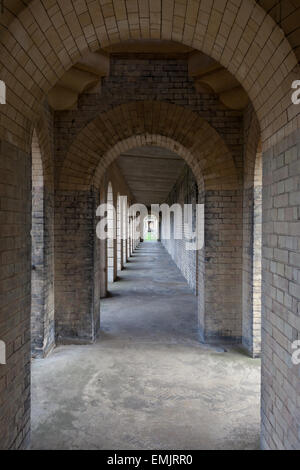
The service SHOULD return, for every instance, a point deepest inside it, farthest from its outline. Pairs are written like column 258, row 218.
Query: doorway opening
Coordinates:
column 151, row 229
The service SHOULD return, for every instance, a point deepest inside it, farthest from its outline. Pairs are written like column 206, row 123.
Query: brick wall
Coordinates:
column 81, row 262
column 119, row 235
column 43, row 229
column 115, row 178
column 112, row 232
column 281, row 295
column 264, row 64
column 223, row 266
column 252, row 234
column 42, row 278
column 185, row 191
column 215, row 273
column 77, row 289
column 37, row 255
column 15, row 275
column 136, row 77
column 49, row 323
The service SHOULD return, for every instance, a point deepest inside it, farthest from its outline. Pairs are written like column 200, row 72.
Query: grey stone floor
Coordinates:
column 147, row 383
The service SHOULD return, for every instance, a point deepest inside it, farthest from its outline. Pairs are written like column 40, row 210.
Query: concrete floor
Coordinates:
column 147, row 383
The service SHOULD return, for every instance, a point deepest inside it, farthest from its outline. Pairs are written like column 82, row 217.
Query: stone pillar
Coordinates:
column 252, row 268
column 112, row 237
column 220, row 277
column 281, row 295
column 77, row 273
column 15, row 298
column 42, row 277
column 129, row 236
column 115, row 240
column 38, row 272
column 119, row 236
column 103, row 269
column 124, row 233
column 103, row 257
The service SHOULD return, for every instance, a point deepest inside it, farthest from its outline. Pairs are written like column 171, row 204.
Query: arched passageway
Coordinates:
column 150, row 229
column 87, row 122
column 182, row 132
column 155, row 304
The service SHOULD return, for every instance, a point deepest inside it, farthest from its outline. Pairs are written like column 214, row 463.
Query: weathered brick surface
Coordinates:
column 214, row 273
column 35, row 51
column 252, row 234
column 223, row 266
column 37, row 277
column 79, row 266
column 77, row 292
column 239, row 35
column 281, row 295
column 42, row 277
column 147, row 123
column 15, row 274
column 138, row 77
column 184, row 192
column 112, row 184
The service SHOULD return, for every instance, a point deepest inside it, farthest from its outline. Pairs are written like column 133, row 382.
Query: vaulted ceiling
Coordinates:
column 150, row 173
column 286, row 13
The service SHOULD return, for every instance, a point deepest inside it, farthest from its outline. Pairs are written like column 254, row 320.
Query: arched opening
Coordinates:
column 258, row 52
column 150, row 229
column 37, row 252
column 215, row 176
column 158, row 304
column 154, row 175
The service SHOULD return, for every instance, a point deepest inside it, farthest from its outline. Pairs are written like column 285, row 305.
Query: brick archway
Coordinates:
column 246, row 41
column 42, row 128
column 149, row 139
column 184, row 132
column 44, row 40
column 146, row 123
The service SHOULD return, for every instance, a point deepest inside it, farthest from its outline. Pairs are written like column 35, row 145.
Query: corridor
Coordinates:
column 147, row 383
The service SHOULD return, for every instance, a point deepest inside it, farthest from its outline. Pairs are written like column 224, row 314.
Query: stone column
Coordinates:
column 77, row 273
column 220, row 268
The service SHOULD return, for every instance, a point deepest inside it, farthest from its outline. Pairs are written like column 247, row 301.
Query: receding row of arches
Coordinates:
column 40, row 42
column 112, row 254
